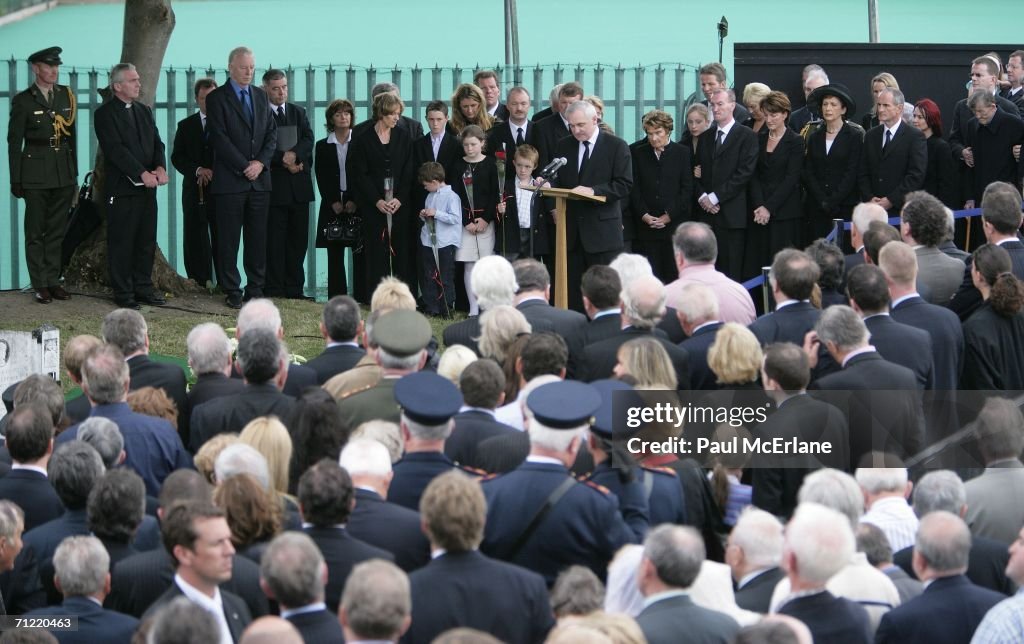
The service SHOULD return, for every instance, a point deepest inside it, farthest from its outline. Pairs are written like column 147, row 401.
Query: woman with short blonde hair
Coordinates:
column 735, row 356
column 270, row 437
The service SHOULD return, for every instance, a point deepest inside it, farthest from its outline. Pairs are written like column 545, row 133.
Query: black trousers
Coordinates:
column 661, row 254
column 337, row 283
column 199, row 235
column 577, row 262
column 287, row 240
column 731, row 245
column 237, row 213
column 437, row 284
column 131, row 244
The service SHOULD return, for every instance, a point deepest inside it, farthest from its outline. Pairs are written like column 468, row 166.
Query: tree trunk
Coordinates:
column 147, row 30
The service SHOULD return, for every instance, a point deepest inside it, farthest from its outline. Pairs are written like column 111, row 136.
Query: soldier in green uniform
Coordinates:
column 41, row 148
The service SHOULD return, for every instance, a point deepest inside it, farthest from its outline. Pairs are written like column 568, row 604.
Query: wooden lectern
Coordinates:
column 561, row 196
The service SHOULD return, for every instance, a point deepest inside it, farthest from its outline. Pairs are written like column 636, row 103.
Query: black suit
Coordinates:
column 830, row 619
column 137, row 582
column 967, row 298
column 986, row 564
column 235, row 610
column 788, row 324
column 143, row 372
column 470, row 590
column 904, row 345
column 598, row 360
column 44, row 539
column 941, row 179
column 390, row 527
column 594, row 230
column 95, row 624
column 335, row 360
column 993, row 351
column 299, row 378
column 341, row 554
column 502, row 137
column 992, row 145
column 667, row 620
column 77, row 409
column 33, row 493
column 777, row 482
column 801, row 117
column 463, row 333
column 328, row 184
column 660, row 186
column 207, row 387
column 883, row 403
column 727, row 172
column 696, row 346
column 601, row 328
column 756, row 594
column 948, row 610
column 549, row 131
column 318, row 626
column 502, row 453
column 241, row 203
column 897, row 169
column 288, row 218
column 568, row 324
column 191, row 151
column 776, row 187
column 472, row 427
column 231, row 414
column 131, row 146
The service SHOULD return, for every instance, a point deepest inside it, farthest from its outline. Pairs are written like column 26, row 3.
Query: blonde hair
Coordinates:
column 453, row 361
column 755, row 92
column 735, row 356
column 207, row 455
column 392, row 293
column 499, row 328
column 648, row 362
column 269, row 437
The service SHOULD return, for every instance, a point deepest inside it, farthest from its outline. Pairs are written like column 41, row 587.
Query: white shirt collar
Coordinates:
column 333, row 138
column 902, row 299
column 214, row 605
column 749, row 577
column 893, row 129
column 853, row 354
column 311, row 608
column 547, row 460
column 34, row 468
column 726, row 128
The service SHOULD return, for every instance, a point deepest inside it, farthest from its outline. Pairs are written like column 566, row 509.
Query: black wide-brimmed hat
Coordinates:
column 838, row 90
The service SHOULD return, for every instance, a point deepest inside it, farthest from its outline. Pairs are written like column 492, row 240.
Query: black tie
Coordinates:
column 49, row 97
column 888, row 139
column 519, row 136
column 586, row 156
column 280, row 114
column 718, row 141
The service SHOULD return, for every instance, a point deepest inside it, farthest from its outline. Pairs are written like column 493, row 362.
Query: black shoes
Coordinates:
column 152, row 299
column 234, row 301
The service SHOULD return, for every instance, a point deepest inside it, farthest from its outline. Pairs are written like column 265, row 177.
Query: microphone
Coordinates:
column 551, row 168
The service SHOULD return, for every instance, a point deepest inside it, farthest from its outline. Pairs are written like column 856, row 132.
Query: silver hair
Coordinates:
column 292, row 566
column 376, row 600
column 428, row 432
column 676, row 552
column 12, row 519
column 385, row 432
column 842, row 326
column 836, row 490
column 404, row 363
column 939, row 490
column 643, row 301
column 818, row 74
column 943, row 541
column 238, row 51
column 81, row 564
column 630, row 266
column 582, row 106
column 116, row 74
column 499, row 327
column 259, row 313
column 493, row 282
column 898, row 98
column 182, row 620
column 698, row 303
column 240, row 458
column 865, row 213
column 759, row 535
column 209, row 350
column 365, row 456
column 105, row 375
column 557, row 440
column 820, row 540
column 881, row 479
column 104, row 436
column 125, row 329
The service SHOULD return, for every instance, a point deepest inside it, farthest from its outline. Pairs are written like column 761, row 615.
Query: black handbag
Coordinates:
column 345, row 231
column 83, row 218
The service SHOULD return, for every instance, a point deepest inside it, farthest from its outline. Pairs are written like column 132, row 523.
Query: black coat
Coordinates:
column 664, row 621
column 992, row 145
column 318, row 626
column 470, row 590
column 335, row 360
column 540, row 221
column 602, row 328
column 131, row 145
column 192, row 150
column 962, row 115
column 831, row 619
column 961, row 604
column 940, row 179
column 288, row 188
column 904, row 345
column 986, row 564
column 830, row 178
column 756, row 595
column 235, row 610
column 472, row 427
column 95, row 624
column 341, row 553
column 389, row 527
column 236, row 141
column 567, row 324
column 328, row 184
column 209, row 386
column 776, row 184
column 728, row 173
column 299, row 377
column 501, row 135
column 422, row 151
column 549, row 131
column 993, row 351
column 661, row 186
column 598, row 360
column 231, row 414
column 696, row 346
column 967, row 298
column 34, row 494
column 896, row 170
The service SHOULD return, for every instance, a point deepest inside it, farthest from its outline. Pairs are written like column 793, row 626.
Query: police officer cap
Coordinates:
column 427, row 398
column 604, row 418
column 401, row 333
column 566, row 404
column 48, row 56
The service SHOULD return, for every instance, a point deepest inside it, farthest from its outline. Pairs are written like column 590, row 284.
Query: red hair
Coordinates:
column 932, row 115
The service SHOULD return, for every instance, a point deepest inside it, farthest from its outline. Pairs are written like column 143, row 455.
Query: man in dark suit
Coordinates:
column 860, row 222
column 134, row 160
column 895, row 157
column 127, row 330
column 291, row 191
column 698, row 315
column 440, row 144
column 482, row 384
column 198, row 538
column 375, row 520
column 263, row 368
column 138, row 581
column 532, row 301
column 293, row 573
column 326, row 498
column 30, row 441
column 600, row 288
column 898, row 343
column 1000, row 221
column 487, row 81
column 1015, row 74
column 552, row 129
column 514, row 130
column 262, row 313
column 825, row 545
column 991, row 137
column 753, row 554
column 599, row 164
column 192, row 156
column 987, row 559
column 82, row 568
column 209, row 357
column 940, row 560
column 792, row 278
column 463, row 588
column 339, row 326
column 672, row 559
column 727, row 155
column 643, row 304
column 776, row 481
column 812, row 80
column 881, row 398
column 244, row 137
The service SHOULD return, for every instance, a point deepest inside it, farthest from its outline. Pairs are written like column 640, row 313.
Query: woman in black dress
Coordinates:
column 994, row 334
column 832, row 156
column 336, row 197
column 379, row 166
column 775, row 188
column 940, row 179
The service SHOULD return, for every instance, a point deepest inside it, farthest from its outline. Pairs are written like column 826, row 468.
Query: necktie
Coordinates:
column 718, row 141
column 280, row 113
column 247, row 105
column 49, row 97
column 519, row 136
column 888, row 139
column 586, row 156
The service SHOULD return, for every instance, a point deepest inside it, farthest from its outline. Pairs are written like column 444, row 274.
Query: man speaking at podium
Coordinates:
column 598, row 164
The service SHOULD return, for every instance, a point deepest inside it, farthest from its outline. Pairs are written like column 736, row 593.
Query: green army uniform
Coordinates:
column 41, row 149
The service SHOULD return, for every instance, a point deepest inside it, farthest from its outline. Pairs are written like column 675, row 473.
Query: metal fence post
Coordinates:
column 620, row 100
column 172, row 184
column 311, row 223
column 638, row 94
